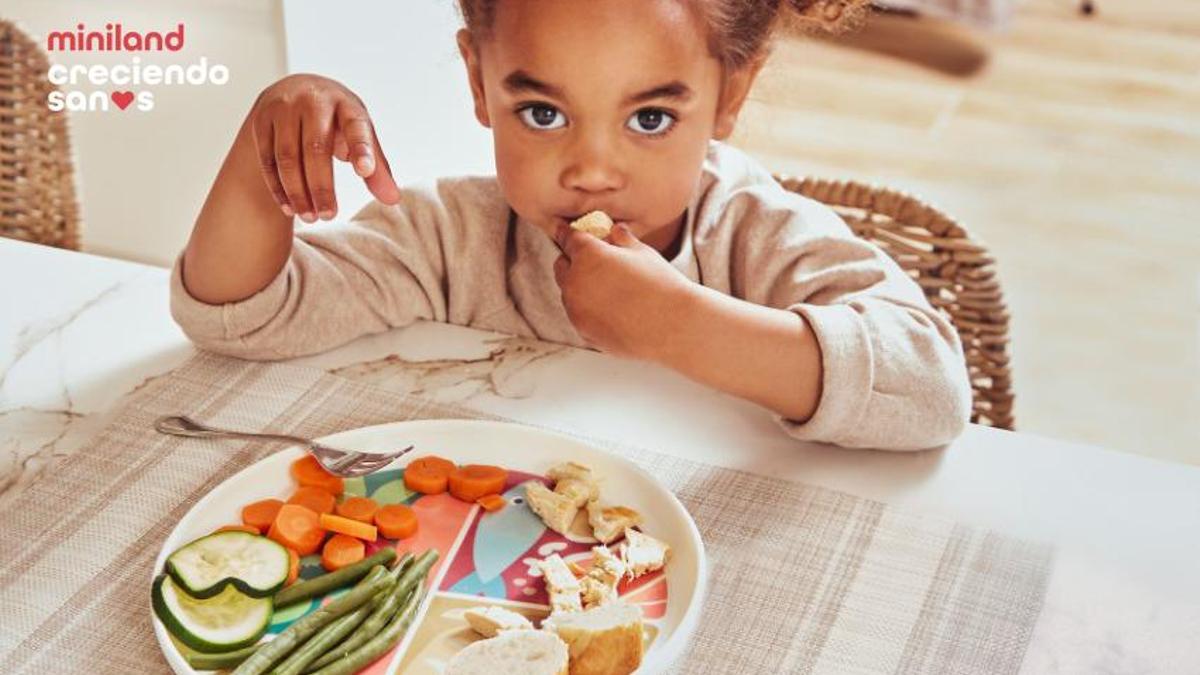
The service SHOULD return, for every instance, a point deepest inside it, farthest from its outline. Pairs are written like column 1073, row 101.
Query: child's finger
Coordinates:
column 381, row 183
column 562, row 265
column 316, row 129
column 340, row 149
column 355, row 125
column 365, row 152
column 264, row 142
column 622, row 236
column 288, row 161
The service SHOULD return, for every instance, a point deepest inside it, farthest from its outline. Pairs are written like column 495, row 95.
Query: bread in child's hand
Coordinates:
column 596, row 223
column 512, row 652
column 605, row 640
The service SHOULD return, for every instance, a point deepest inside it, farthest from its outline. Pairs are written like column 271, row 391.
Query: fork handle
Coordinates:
column 179, row 425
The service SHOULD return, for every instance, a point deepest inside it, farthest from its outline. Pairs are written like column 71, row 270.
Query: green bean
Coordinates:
column 381, row 643
column 219, row 661
column 311, row 588
column 377, row 580
column 327, row 637
column 382, row 613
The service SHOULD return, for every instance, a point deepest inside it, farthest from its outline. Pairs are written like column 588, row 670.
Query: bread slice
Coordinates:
column 489, row 621
column 606, row 640
column 609, row 522
column 596, row 223
column 514, row 652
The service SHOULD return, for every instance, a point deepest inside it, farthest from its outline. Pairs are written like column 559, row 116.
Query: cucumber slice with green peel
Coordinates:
column 257, row 566
column 227, row 621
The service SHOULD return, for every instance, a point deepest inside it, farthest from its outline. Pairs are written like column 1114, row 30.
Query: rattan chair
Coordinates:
column 37, row 180
column 957, row 274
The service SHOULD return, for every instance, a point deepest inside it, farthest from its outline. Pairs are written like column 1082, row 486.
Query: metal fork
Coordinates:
column 346, row 463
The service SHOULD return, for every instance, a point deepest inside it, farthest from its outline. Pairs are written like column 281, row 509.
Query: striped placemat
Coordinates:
column 802, row 579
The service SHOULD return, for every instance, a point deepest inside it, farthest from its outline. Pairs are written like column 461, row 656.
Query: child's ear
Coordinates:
column 466, row 47
column 735, row 86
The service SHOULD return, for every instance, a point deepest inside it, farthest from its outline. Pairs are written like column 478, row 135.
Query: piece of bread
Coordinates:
column 606, row 640
column 596, row 223
column 609, row 522
column 556, row 511
column 643, row 553
column 561, row 585
column 514, row 652
column 490, row 620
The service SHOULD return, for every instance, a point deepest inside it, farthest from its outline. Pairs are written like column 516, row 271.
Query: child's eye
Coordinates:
column 651, row 121
column 540, row 116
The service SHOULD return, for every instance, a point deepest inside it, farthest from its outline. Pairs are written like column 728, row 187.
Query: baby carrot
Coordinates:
column 348, row 527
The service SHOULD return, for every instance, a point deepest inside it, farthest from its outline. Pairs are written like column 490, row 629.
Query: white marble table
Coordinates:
column 77, row 333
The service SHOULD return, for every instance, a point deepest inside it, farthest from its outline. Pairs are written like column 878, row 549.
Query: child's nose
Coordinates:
column 592, row 166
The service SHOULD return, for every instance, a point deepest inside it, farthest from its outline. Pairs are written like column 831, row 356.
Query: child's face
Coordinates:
column 601, row 105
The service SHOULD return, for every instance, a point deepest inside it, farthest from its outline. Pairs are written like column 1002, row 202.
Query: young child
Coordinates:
column 713, row 269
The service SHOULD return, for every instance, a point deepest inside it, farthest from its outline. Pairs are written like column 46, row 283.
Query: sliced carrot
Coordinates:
column 293, row 567
column 315, row 498
column 348, row 527
column 473, row 481
column 238, row 528
column 297, row 527
column 361, row 509
column 261, row 514
column 428, row 475
column 342, row 550
column 308, row 471
column 492, row 502
column 396, row 521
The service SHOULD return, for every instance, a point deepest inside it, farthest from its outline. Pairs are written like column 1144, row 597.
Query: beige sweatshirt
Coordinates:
column 454, row 251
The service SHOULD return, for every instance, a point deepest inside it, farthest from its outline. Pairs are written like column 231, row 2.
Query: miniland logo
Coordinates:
column 99, row 88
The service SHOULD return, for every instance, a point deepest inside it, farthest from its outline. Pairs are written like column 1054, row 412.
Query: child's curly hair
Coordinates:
column 739, row 30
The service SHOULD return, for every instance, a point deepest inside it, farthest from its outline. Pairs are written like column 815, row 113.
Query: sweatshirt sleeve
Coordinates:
column 894, row 373
column 382, row 269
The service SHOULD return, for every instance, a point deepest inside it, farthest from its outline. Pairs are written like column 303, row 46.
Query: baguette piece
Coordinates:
column 489, row 621
column 606, row 640
column 514, row 652
column 596, row 223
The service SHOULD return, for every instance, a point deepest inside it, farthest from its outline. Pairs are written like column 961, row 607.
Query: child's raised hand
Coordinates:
column 299, row 124
column 620, row 294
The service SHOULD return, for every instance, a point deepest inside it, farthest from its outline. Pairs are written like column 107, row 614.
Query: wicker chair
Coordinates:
column 37, row 184
column 956, row 273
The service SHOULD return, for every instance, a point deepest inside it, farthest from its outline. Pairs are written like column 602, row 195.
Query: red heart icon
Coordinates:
column 122, row 98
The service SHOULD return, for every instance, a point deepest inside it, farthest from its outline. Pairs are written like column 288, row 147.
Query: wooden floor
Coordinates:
column 1070, row 145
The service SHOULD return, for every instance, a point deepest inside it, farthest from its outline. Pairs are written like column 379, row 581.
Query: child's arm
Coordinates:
column 644, row 308
column 280, row 164
column 803, row 318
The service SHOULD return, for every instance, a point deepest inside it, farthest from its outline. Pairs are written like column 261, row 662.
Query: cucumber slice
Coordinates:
column 256, row 565
column 227, row 621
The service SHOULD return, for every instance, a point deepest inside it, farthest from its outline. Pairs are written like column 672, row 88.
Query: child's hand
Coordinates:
column 620, row 294
column 298, row 124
